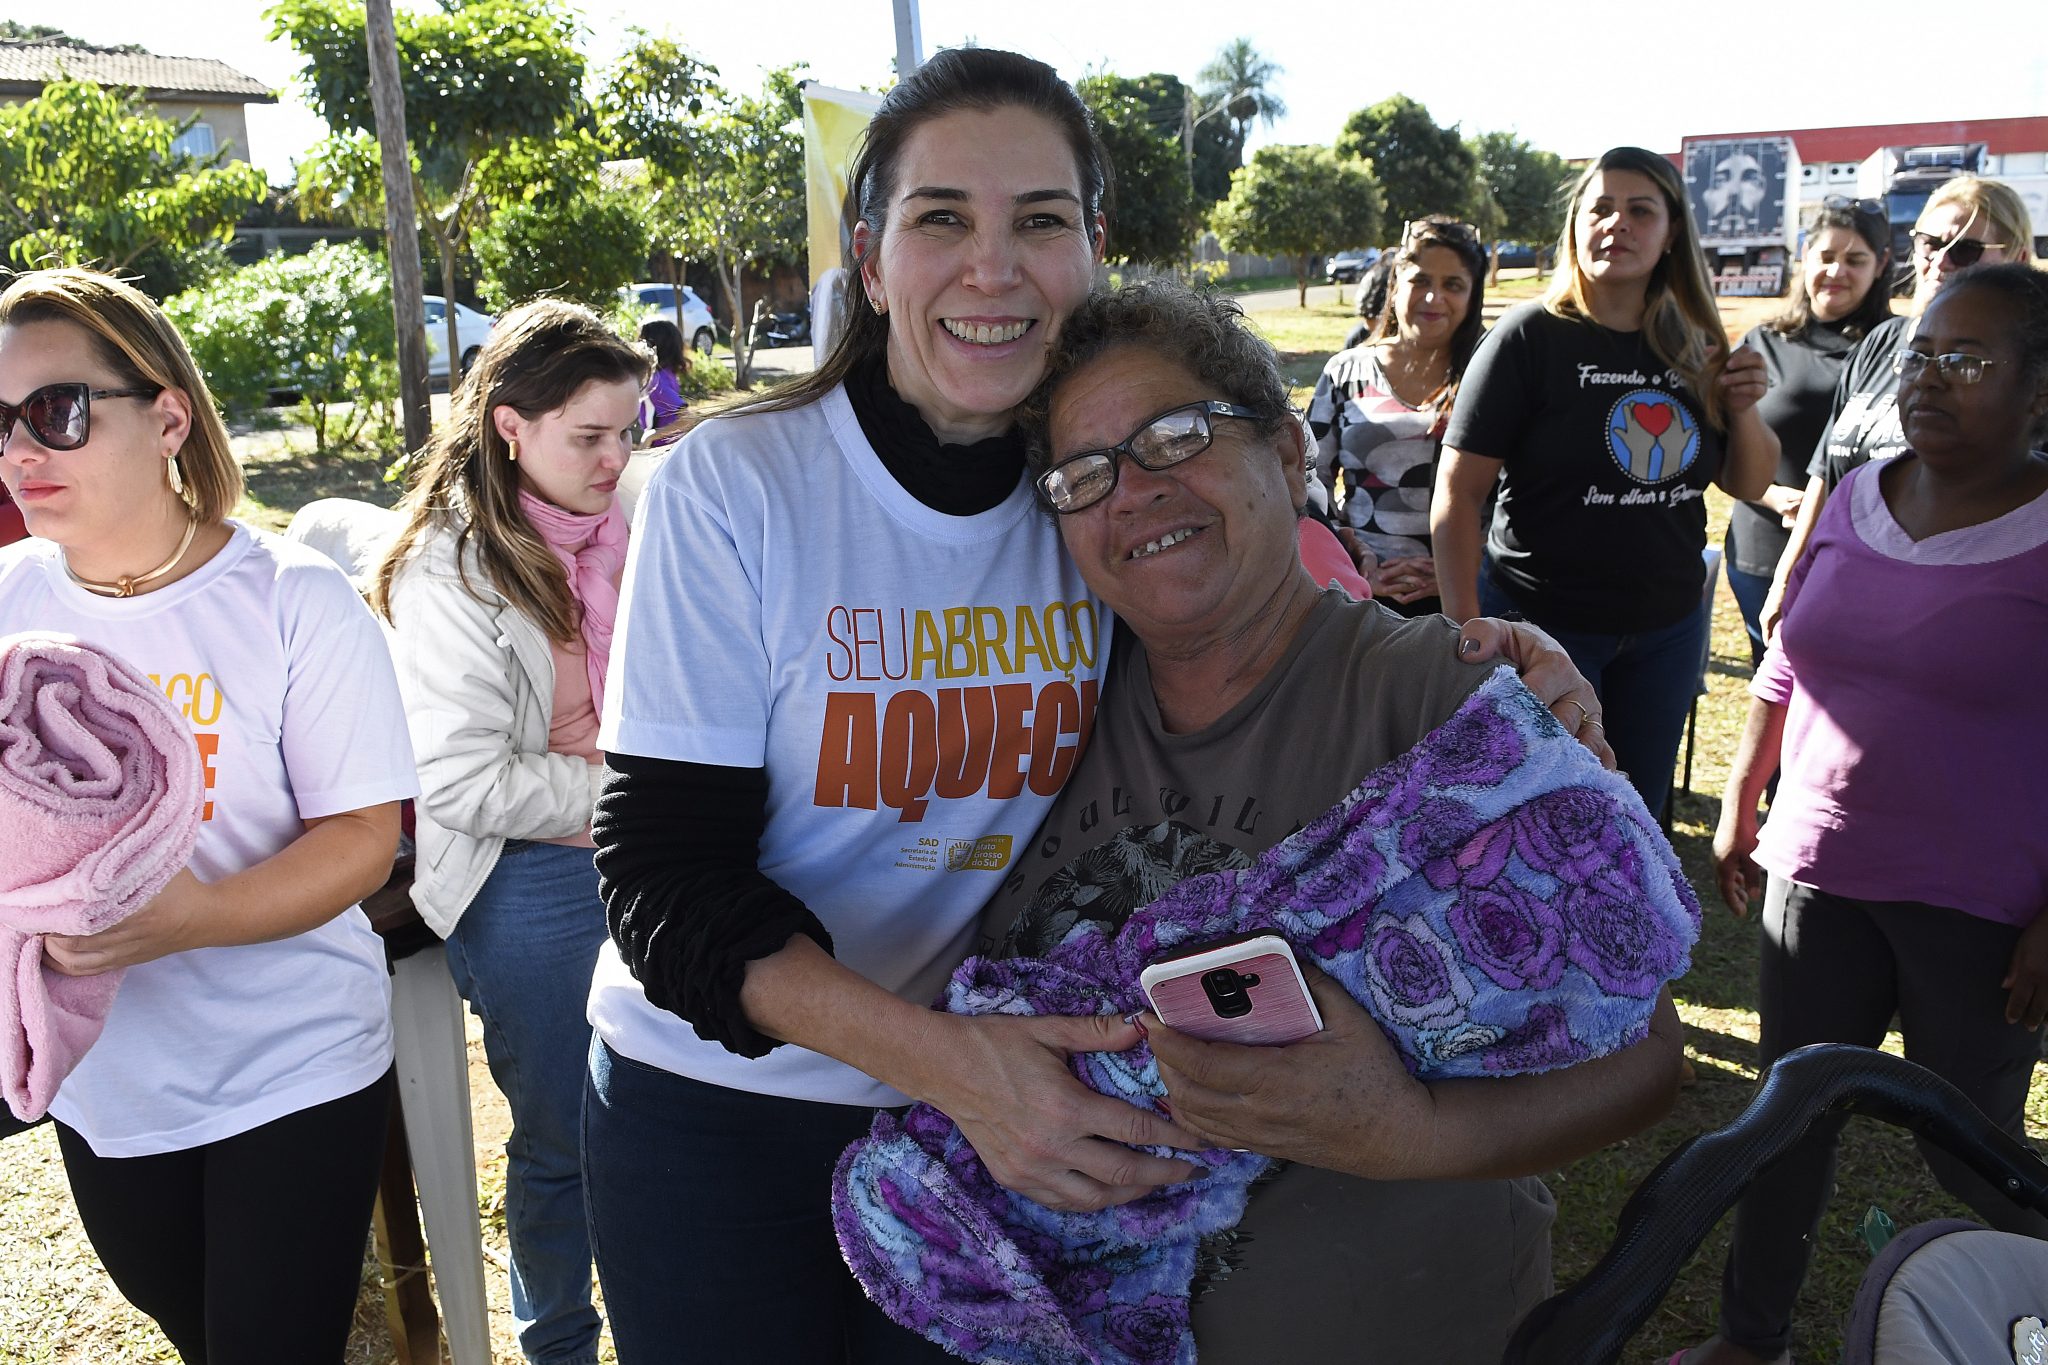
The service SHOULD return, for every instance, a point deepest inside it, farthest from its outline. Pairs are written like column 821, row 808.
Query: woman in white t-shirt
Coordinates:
column 501, row 590
column 223, row 1136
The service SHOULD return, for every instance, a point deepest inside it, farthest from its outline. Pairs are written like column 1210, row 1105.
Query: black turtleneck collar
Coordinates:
column 959, row 480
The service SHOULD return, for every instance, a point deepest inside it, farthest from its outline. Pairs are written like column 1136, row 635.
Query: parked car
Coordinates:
column 471, row 329
column 698, row 324
column 1346, row 266
column 1524, row 255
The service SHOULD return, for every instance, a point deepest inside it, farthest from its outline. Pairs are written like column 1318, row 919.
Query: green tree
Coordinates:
column 319, row 324
column 1423, row 168
column 1524, row 184
column 584, row 247
column 12, row 31
column 88, row 176
column 1234, row 91
column 725, row 171
column 1298, row 202
column 1155, row 209
column 482, row 81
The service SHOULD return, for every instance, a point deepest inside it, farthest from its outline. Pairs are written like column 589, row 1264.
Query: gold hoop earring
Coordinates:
column 177, row 479
column 515, row 451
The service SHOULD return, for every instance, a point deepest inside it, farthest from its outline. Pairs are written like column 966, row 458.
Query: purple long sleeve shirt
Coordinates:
column 1915, row 680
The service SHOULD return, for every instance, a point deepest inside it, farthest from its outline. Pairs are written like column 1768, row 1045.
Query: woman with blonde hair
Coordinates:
column 1603, row 412
column 1967, row 221
column 501, row 590
column 250, row 1043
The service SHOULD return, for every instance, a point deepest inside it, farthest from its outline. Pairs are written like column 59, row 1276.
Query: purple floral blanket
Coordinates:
column 1497, row 901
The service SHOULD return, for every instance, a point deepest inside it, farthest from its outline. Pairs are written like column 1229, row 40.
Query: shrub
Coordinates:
column 582, row 248
column 319, row 325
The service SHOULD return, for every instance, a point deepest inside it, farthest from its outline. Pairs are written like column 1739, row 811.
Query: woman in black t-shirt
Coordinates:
column 1603, row 412
column 1842, row 296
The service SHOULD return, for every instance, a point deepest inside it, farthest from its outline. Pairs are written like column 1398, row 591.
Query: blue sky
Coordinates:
column 1633, row 72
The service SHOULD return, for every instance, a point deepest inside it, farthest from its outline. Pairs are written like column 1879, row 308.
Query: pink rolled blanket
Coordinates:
column 100, row 798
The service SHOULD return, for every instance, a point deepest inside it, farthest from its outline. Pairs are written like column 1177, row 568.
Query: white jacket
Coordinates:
column 479, row 687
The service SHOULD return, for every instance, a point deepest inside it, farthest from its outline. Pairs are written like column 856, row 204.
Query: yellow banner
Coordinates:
column 833, row 123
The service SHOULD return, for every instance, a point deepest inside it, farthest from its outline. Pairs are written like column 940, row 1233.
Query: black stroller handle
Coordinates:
column 1679, row 1203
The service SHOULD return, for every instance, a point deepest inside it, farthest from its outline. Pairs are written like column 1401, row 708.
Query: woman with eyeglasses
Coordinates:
column 1967, row 221
column 833, row 740
column 1379, row 409
column 1907, row 868
column 1603, row 412
column 223, row 1137
column 1843, row 295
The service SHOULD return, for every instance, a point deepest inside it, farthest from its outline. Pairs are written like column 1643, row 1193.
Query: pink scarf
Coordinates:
column 593, row 553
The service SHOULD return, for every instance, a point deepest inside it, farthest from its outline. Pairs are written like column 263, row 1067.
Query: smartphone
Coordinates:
column 1241, row 990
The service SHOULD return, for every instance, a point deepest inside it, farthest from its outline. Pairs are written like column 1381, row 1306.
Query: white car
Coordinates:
column 471, row 330
column 659, row 300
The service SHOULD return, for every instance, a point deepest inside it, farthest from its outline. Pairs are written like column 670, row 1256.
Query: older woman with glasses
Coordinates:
column 1379, row 409
column 1163, row 441
column 1842, row 297
column 1967, row 221
column 1907, row 874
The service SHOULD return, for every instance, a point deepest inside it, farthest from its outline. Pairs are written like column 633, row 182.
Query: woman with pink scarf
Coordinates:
column 500, row 590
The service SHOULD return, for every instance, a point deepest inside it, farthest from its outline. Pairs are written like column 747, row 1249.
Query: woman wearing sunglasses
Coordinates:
column 1907, row 868
column 1967, row 221
column 1379, row 409
column 1843, row 295
column 1602, row 413
column 223, row 1136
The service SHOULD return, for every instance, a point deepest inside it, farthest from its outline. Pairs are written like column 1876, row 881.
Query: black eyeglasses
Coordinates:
column 1964, row 251
column 60, row 415
column 1958, row 367
column 1160, row 442
column 1843, row 203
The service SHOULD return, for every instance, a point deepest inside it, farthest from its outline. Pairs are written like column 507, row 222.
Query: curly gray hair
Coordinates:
column 1204, row 332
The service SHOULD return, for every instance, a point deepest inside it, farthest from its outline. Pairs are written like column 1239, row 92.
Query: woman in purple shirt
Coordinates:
column 1908, row 865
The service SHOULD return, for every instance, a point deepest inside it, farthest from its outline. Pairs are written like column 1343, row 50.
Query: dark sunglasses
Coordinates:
column 1160, row 442
column 1843, row 203
column 1419, row 229
column 1964, row 251
column 59, row 416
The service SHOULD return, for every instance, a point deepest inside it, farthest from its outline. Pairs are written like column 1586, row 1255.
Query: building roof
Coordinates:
column 2000, row 136
column 25, row 68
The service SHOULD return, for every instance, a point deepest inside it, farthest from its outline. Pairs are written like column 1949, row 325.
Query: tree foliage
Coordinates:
column 1422, row 168
column 584, row 248
column 483, row 81
column 1523, row 183
column 319, row 324
column 1298, row 202
column 88, row 175
column 724, row 171
column 1155, row 218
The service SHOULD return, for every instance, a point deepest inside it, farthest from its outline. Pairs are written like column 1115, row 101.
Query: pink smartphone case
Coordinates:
column 1280, row 1012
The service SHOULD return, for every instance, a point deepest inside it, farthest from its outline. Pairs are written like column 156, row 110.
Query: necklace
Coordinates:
column 125, row 586
column 1410, row 372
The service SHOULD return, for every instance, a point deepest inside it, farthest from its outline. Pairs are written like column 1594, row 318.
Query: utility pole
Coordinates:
column 401, row 230
column 909, row 39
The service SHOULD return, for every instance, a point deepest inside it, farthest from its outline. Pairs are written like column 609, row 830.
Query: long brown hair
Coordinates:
column 538, row 356
column 1681, row 321
column 141, row 346
column 977, row 78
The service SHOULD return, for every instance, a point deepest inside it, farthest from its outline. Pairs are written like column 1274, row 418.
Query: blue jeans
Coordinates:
column 1646, row 683
column 711, row 1216
column 1750, row 589
column 522, row 955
